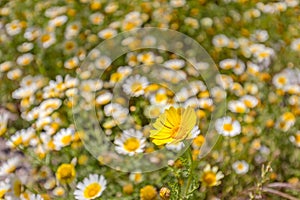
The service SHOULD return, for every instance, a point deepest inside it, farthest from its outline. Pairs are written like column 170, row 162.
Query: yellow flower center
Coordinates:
column 160, row 97
column 240, row 166
column 66, row 173
column 199, row 140
column 136, row 87
column 248, row 103
column 131, row 144
column 174, row 131
column 137, row 177
column 210, row 178
column 297, row 138
column 66, row 139
column 26, row 61
column 2, row 193
column 173, row 125
column 240, row 109
column 92, row 190
column 11, row 169
column 282, row 80
column 45, row 38
column 263, row 54
column 228, row 127
column 18, row 141
column 116, row 77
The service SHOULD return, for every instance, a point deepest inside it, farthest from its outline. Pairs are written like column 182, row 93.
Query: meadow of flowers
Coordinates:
column 162, row 99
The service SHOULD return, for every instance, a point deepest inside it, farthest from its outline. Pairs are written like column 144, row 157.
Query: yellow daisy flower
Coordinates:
column 173, row 126
column 66, row 173
column 211, row 177
column 148, row 193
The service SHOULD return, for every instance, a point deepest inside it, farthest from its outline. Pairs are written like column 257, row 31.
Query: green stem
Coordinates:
column 190, row 173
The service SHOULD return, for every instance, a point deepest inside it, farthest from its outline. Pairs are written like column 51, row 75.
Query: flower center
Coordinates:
column 282, row 80
column 45, row 38
column 11, row 169
column 136, row 87
column 174, row 131
column 66, row 139
column 297, row 138
column 248, row 103
column 210, row 178
column 240, row 166
column 228, row 127
column 240, row 109
column 2, row 193
column 66, row 173
column 160, row 97
column 92, row 190
column 131, row 144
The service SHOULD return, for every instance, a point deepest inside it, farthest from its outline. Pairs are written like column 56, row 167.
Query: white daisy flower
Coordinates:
column 104, row 98
column 43, row 121
column 295, row 139
column 4, row 188
column 182, row 95
column 240, row 167
column 207, row 22
column 13, row 28
column 14, row 74
column 47, row 39
column 146, row 58
column 107, row 33
column 160, row 98
column 192, row 102
column 224, row 81
column 261, row 35
column 15, row 140
column 103, row 62
column 239, row 68
column 3, row 122
column 9, row 166
column 58, row 21
column 220, row 41
column 227, row 63
column 153, row 111
column 292, row 3
column 50, row 105
column 280, row 80
column 25, row 47
column 205, row 103
column 111, row 108
column 135, row 85
column 90, row 188
column 63, row 138
column 32, row 197
column 295, row 45
column 130, row 142
column 177, row 3
column 249, row 101
column 97, row 18
column 237, row 106
column 136, row 177
column 5, row 66
column 227, row 126
column 32, row 33
column 71, row 63
column 174, row 64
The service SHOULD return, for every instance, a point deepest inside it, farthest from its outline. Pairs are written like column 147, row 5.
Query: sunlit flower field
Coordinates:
column 149, row 100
